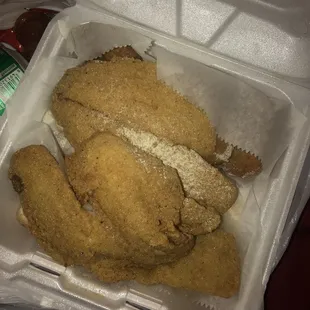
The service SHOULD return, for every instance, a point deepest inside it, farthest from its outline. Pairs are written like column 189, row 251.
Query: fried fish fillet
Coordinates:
column 232, row 159
column 53, row 214
column 127, row 90
column 140, row 195
column 202, row 182
column 198, row 220
column 74, row 236
column 80, row 123
column 63, row 228
column 212, row 267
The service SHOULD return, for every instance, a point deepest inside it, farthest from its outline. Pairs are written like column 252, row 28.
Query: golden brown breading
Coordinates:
column 128, row 90
column 79, row 123
column 111, row 270
column 121, row 52
column 232, row 159
column 140, row 195
column 200, row 181
column 141, row 227
column 198, row 220
column 212, row 267
column 66, row 231
column 63, row 228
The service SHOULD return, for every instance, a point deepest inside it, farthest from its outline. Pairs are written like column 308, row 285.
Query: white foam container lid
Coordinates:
column 263, row 42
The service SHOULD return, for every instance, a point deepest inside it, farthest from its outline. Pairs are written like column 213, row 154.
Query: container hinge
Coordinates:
column 142, row 302
column 46, row 264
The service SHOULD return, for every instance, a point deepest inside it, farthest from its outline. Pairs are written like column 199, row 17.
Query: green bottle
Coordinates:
column 12, row 68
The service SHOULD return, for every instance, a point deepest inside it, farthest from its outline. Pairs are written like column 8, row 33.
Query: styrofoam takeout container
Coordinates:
column 233, row 38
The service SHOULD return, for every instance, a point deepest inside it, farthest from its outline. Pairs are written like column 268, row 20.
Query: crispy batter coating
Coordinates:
column 121, row 52
column 198, row 220
column 128, row 90
column 140, row 195
column 200, row 180
column 80, row 123
column 212, row 267
column 141, row 226
column 63, row 228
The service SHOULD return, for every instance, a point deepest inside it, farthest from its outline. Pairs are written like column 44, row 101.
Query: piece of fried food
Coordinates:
column 201, row 181
column 235, row 161
column 66, row 231
column 140, row 195
column 198, row 220
column 80, row 123
column 212, row 267
column 232, row 159
column 242, row 164
column 120, row 52
column 127, row 90
column 72, row 235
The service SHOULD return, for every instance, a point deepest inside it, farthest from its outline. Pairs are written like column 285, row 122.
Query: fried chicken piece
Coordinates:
column 198, row 220
column 127, row 90
column 201, row 181
column 140, row 195
column 62, row 227
column 212, row 267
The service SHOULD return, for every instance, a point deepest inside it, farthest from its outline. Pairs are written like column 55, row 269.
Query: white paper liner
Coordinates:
column 242, row 115
column 93, row 39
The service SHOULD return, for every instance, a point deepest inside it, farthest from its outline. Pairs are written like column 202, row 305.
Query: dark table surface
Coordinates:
column 289, row 284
